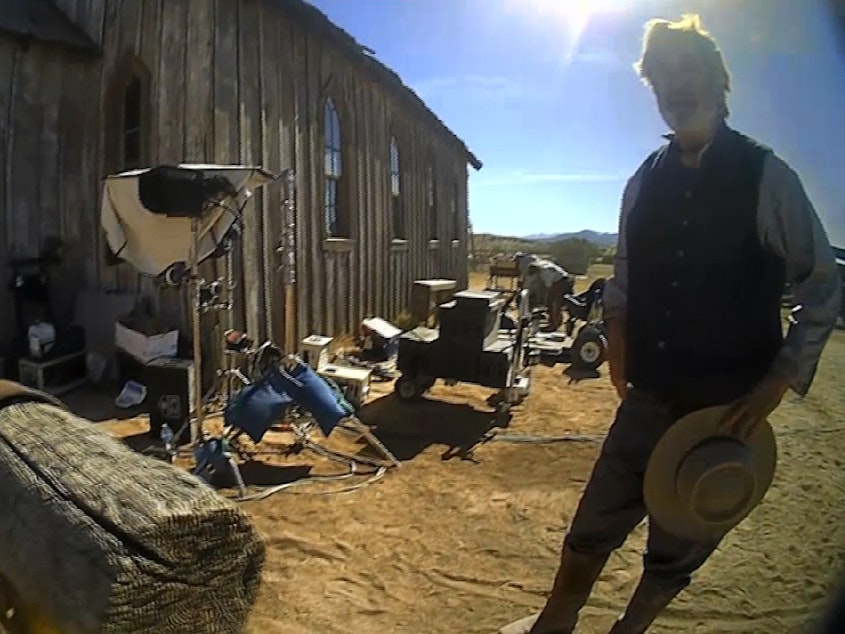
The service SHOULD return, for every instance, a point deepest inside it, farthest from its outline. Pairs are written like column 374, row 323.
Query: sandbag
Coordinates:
column 103, row 539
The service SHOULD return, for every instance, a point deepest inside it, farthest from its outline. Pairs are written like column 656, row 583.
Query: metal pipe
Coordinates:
column 287, row 252
column 196, row 428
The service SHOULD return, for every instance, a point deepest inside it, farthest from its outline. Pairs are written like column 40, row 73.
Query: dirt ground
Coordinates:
column 467, row 541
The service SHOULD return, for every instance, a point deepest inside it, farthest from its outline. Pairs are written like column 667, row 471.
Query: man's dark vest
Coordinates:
column 703, row 316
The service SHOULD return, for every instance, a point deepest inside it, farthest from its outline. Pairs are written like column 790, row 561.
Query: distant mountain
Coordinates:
column 602, row 239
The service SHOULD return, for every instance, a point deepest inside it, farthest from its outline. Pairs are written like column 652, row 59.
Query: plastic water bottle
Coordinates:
column 166, row 435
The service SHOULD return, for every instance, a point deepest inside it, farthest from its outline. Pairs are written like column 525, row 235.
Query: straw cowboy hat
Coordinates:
column 699, row 484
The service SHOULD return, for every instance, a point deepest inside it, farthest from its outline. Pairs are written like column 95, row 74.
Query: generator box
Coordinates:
column 417, row 349
column 494, row 364
column 314, row 351
column 471, row 319
column 353, row 382
column 381, row 339
column 457, row 361
column 479, row 301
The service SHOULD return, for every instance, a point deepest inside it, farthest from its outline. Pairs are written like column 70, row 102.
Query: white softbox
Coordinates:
column 151, row 242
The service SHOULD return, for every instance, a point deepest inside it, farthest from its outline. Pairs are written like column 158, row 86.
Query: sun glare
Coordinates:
column 568, row 17
column 570, row 10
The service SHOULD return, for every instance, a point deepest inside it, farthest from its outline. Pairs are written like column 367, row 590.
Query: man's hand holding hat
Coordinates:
column 746, row 415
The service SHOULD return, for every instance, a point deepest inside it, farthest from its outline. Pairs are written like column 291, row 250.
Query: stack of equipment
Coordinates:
column 102, row 539
column 469, row 345
column 471, row 319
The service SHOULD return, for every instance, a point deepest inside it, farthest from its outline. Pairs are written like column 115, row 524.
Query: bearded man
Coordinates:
column 712, row 227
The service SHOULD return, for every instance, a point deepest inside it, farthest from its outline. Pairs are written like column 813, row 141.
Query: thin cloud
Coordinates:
column 520, row 178
column 597, row 58
column 469, row 86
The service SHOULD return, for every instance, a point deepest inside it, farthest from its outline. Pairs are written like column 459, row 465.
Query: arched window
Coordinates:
column 127, row 122
column 335, row 216
column 128, row 119
column 455, row 215
column 431, row 200
column 397, row 218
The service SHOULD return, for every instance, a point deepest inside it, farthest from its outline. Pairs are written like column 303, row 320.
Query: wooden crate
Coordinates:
column 54, row 376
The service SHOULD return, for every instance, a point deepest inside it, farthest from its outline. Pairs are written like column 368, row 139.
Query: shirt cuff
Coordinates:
column 786, row 364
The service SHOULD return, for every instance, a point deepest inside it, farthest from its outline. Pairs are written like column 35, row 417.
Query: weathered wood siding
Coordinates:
column 48, row 168
column 229, row 82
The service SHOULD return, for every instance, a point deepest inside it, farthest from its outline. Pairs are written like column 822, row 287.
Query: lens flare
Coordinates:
column 569, row 18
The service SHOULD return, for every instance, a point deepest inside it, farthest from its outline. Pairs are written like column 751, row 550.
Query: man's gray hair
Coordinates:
column 663, row 37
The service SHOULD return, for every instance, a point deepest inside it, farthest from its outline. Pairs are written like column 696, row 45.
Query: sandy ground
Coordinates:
column 467, row 541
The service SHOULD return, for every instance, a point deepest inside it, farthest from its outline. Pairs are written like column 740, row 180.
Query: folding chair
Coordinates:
column 293, row 391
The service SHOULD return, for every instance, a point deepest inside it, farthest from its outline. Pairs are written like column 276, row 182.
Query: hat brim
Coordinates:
column 661, row 498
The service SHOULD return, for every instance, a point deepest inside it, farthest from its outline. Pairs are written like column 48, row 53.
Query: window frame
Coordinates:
column 455, row 211
column 398, row 227
column 335, row 218
column 130, row 74
column 432, row 211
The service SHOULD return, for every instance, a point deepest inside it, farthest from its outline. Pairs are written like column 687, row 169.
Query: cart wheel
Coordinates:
column 589, row 349
column 407, row 389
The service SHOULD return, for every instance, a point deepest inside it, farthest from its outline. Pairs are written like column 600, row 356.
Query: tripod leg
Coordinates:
column 375, row 442
column 238, row 477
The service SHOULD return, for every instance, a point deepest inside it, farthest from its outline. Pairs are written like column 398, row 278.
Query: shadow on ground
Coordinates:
column 576, row 375
column 96, row 403
column 257, row 473
column 407, row 429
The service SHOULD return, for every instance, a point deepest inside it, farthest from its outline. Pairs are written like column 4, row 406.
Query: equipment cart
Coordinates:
column 470, row 347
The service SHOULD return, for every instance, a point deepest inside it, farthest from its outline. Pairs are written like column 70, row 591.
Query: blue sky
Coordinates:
column 546, row 96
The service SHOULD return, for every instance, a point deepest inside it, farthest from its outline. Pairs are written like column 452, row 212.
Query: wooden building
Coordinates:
column 92, row 87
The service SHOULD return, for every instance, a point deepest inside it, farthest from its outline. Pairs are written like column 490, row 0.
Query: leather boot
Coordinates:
column 574, row 580
column 646, row 604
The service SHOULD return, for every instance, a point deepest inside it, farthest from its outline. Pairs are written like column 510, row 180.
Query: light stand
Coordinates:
column 196, row 333
column 205, row 297
column 287, row 257
column 165, row 221
column 234, row 346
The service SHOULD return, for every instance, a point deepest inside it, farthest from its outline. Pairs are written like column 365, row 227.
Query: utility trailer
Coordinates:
column 470, row 347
